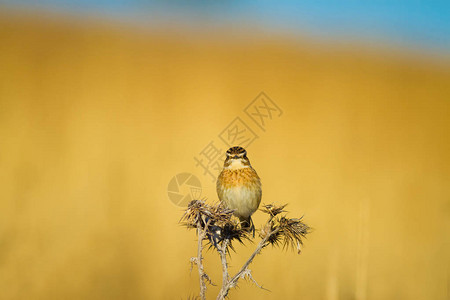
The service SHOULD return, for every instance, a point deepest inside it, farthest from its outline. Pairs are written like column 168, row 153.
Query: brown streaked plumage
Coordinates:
column 239, row 186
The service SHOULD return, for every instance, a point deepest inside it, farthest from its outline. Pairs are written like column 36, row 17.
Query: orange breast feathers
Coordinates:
column 245, row 177
column 240, row 190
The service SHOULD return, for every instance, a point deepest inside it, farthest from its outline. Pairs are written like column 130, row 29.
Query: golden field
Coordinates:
column 95, row 120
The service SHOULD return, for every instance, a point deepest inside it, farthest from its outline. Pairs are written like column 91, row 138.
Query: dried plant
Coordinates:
column 216, row 225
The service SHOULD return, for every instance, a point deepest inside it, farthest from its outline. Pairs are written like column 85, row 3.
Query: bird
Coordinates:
column 239, row 186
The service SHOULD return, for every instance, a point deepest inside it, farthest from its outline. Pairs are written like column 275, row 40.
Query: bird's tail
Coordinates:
column 247, row 224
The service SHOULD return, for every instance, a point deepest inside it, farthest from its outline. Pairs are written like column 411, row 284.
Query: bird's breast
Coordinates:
column 240, row 190
column 239, row 177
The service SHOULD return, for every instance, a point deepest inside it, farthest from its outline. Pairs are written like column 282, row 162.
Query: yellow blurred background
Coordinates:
column 96, row 119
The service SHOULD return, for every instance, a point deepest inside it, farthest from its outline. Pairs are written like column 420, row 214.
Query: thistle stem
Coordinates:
column 223, row 257
column 233, row 281
column 201, row 270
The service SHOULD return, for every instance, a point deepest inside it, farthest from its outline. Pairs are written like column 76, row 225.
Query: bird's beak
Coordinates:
column 235, row 157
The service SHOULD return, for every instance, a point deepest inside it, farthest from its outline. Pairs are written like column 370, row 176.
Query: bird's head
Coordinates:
column 236, row 158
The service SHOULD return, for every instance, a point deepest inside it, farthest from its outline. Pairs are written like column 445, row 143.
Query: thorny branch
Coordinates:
column 215, row 223
column 223, row 258
column 199, row 261
column 244, row 271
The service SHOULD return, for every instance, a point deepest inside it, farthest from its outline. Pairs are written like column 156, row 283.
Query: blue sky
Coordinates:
column 422, row 24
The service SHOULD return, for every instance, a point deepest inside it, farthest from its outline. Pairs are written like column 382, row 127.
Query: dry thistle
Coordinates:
column 221, row 226
column 268, row 231
column 273, row 209
column 230, row 231
column 216, row 224
column 293, row 231
column 287, row 232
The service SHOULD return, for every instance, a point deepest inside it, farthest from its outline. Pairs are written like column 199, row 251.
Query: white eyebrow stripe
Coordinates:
column 237, row 154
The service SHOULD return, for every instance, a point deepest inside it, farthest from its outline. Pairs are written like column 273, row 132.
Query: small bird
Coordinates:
column 239, row 186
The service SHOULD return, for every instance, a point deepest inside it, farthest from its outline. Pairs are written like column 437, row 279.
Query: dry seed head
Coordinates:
column 273, row 209
column 221, row 225
column 293, row 231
